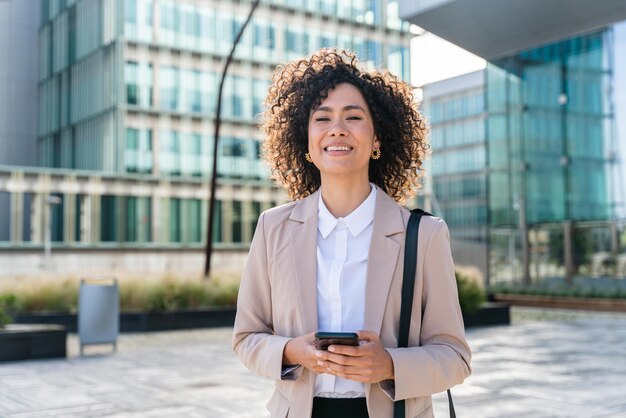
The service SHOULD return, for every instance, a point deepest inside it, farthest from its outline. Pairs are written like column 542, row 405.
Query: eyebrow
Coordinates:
column 348, row 107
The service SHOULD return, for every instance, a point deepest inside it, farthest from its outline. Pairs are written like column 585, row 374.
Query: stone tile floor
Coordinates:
column 546, row 364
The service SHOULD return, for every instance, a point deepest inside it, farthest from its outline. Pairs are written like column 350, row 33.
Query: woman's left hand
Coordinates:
column 367, row 363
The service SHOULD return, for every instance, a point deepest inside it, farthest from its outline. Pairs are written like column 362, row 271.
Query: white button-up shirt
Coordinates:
column 342, row 248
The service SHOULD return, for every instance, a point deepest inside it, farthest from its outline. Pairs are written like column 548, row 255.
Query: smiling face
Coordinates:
column 341, row 134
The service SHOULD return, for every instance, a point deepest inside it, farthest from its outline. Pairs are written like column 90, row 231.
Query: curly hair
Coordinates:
column 300, row 86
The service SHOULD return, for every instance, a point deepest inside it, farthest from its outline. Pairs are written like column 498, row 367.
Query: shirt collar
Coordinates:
column 357, row 221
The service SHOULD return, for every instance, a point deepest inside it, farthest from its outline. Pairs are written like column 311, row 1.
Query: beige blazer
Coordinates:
column 278, row 301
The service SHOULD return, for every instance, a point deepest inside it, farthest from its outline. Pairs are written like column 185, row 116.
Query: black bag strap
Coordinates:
column 408, row 286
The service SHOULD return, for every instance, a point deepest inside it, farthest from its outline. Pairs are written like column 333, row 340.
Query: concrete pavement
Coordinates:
column 547, row 364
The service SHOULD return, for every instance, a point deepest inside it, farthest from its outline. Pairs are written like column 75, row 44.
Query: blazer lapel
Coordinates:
column 382, row 259
column 303, row 249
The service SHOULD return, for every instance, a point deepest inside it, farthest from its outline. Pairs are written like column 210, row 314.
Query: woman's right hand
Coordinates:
column 303, row 351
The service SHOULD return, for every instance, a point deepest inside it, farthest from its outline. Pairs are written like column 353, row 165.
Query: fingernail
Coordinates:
column 320, row 363
column 331, row 348
column 318, row 353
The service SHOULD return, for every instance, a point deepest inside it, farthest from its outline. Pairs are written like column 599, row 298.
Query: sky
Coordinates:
column 441, row 60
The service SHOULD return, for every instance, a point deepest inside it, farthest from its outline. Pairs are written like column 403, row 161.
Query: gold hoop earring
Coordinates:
column 375, row 154
column 307, row 156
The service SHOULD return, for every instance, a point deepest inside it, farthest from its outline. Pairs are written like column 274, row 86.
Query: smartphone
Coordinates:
column 324, row 339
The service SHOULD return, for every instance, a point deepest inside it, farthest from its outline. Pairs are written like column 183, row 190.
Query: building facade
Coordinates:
column 457, row 172
column 19, row 22
column 545, row 160
column 127, row 100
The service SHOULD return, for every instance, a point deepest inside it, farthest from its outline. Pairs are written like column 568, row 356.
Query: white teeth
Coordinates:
column 336, row 148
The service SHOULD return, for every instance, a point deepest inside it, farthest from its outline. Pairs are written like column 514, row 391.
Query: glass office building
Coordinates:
column 456, row 183
column 551, row 150
column 128, row 92
column 456, row 112
column 537, row 166
column 550, row 118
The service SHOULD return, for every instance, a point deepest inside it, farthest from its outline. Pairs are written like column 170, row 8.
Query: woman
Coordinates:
column 348, row 147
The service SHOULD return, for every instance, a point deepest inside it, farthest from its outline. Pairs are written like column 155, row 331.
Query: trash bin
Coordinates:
column 98, row 312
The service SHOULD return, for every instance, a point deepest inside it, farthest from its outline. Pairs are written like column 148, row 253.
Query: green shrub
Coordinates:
column 174, row 295
column 155, row 295
column 8, row 306
column 545, row 289
column 49, row 296
column 5, row 319
column 223, row 293
column 471, row 294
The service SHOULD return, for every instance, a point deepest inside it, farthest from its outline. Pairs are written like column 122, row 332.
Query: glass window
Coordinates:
column 328, row 7
column 393, row 15
column 260, row 89
column 245, row 46
column 138, row 78
column 225, row 32
column 327, row 41
column 190, row 26
column 57, row 219
column 237, row 221
column 190, row 154
column 207, row 30
column 132, row 89
column 108, row 218
column 169, row 85
column 169, row 23
column 237, row 158
column 254, row 216
column 312, row 5
column 208, row 91
column 191, row 94
column 344, row 41
column 138, row 153
column 238, row 97
column 138, row 20
column 297, row 43
column 217, row 221
column 372, row 54
column 175, row 219
column 398, row 61
column 131, row 11
column 233, row 147
column 344, row 9
column 194, row 221
column 264, row 41
column 138, row 219
column 169, row 158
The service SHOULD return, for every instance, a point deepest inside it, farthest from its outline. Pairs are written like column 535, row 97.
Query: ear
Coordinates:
column 376, row 144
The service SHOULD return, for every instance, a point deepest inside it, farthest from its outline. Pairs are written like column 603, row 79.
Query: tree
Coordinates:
column 582, row 247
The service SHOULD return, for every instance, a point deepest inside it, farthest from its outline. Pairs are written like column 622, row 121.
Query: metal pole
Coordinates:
column 209, row 237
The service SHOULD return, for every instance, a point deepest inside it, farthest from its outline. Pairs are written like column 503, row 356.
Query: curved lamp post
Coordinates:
column 209, row 237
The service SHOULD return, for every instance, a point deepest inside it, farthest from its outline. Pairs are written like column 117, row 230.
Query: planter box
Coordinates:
column 145, row 321
column 560, row 302
column 490, row 313
column 163, row 321
column 32, row 341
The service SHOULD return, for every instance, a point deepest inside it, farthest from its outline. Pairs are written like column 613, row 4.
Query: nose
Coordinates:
column 338, row 129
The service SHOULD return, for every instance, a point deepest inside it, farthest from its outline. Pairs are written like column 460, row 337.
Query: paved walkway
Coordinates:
column 572, row 365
